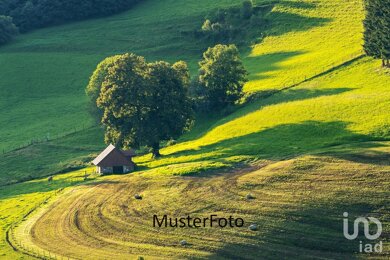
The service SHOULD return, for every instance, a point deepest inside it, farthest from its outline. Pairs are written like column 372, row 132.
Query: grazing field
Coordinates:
column 49, row 101
column 56, row 156
column 313, row 145
column 348, row 105
column 57, row 62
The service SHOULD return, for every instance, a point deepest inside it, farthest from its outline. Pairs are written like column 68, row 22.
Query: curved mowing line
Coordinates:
column 81, row 224
column 19, row 233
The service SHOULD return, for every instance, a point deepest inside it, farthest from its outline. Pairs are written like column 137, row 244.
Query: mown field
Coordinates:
column 20, row 200
column 298, row 206
column 307, row 153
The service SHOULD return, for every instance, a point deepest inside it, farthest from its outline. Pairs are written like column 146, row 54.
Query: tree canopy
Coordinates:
column 377, row 30
column 223, row 75
column 143, row 103
column 96, row 82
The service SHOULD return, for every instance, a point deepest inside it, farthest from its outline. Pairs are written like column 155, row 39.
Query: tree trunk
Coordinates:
column 388, row 63
column 383, row 63
column 156, row 151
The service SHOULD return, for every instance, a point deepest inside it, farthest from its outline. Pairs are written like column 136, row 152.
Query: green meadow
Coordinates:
column 313, row 144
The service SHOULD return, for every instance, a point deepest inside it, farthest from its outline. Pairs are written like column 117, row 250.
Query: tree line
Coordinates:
column 142, row 104
column 233, row 24
column 27, row 15
column 377, row 30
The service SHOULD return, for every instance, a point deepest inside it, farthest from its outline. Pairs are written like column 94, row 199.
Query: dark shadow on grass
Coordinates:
column 274, row 24
column 308, row 223
column 365, row 156
column 45, row 186
column 287, row 22
column 279, row 142
column 258, row 66
column 291, row 95
column 50, row 158
column 310, row 231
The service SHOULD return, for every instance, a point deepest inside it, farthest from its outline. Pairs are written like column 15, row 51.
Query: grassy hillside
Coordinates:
column 348, row 105
column 307, row 38
column 55, row 63
column 44, row 159
column 44, row 73
column 309, row 152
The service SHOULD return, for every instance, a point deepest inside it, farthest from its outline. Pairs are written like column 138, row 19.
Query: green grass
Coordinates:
column 44, row 73
column 52, row 157
column 348, row 105
column 323, row 140
column 55, row 69
column 307, row 37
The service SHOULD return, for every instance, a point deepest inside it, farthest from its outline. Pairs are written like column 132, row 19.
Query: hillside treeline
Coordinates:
column 31, row 14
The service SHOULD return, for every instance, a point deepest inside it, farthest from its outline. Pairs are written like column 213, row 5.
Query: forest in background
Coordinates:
column 31, row 14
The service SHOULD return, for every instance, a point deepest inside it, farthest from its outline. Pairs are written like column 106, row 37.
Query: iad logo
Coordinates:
column 366, row 248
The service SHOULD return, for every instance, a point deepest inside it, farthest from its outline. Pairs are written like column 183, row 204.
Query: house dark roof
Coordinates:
column 111, row 156
column 128, row 153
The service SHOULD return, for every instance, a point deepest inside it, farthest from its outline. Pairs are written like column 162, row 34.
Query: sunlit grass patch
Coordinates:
column 183, row 169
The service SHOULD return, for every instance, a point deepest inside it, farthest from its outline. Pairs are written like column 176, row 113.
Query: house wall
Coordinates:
column 127, row 169
column 105, row 170
column 110, row 170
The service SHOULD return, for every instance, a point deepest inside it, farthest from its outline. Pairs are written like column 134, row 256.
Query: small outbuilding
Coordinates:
column 113, row 160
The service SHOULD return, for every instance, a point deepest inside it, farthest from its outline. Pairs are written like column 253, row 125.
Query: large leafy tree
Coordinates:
column 144, row 103
column 377, row 30
column 7, row 29
column 223, row 75
column 96, row 82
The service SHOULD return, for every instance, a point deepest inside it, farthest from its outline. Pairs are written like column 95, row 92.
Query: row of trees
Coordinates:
column 377, row 30
column 142, row 104
column 31, row 14
column 228, row 25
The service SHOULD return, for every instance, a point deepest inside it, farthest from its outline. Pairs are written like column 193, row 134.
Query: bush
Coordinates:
column 206, row 27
